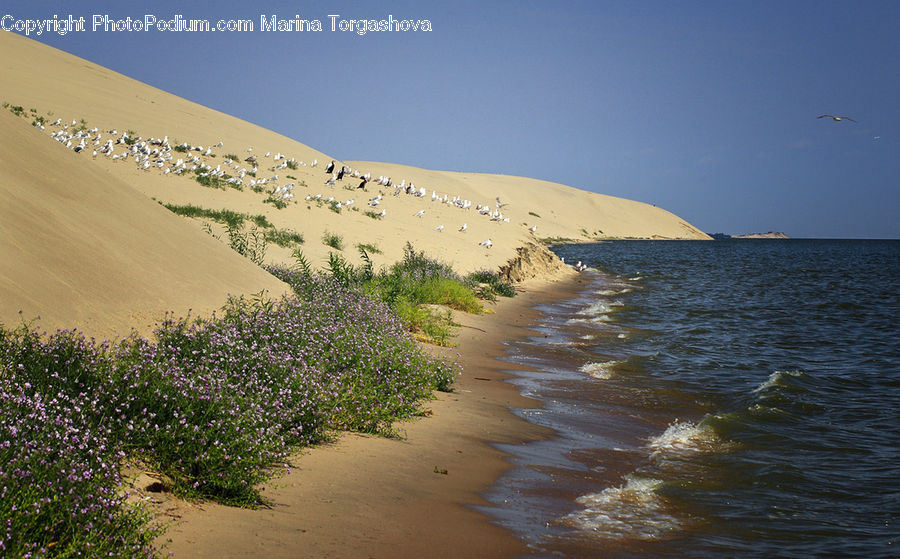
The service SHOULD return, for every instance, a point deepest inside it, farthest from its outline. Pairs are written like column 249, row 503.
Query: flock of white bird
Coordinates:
column 158, row 154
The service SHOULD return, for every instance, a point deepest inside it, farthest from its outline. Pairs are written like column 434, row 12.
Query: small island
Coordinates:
column 769, row 235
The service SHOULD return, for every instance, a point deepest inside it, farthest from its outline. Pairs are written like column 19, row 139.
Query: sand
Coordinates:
column 86, row 244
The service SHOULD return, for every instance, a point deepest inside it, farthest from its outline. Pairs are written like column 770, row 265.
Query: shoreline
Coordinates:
column 369, row 496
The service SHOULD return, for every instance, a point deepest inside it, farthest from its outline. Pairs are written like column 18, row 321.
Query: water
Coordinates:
column 714, row 399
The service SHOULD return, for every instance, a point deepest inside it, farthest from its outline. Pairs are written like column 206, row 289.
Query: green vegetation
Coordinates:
column 284, row 238
column 279, row 203
column 487, row 284
column 534, row 214
column 333, row 240
column 251, row 243
column 232, row 156
column 556, row 240
column 292, row 165
column 227, row 217
column 373, row 215
column 369, row 248
column 214, row 405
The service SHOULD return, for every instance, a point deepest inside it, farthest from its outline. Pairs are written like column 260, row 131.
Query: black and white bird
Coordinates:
column 837, row 118
column 340, row 175
column 362, row 184
column 486, row 243
column 464, row 227
column 330, row 167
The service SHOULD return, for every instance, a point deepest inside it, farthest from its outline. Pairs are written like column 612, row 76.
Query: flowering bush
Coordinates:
column 213, row 404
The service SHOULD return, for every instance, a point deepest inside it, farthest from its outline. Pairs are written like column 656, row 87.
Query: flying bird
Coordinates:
column 837, row 118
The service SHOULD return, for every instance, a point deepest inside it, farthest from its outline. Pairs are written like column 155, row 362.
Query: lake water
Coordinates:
column 714, row 399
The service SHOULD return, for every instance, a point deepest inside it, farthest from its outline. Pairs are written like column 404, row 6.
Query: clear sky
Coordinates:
column 707, row 109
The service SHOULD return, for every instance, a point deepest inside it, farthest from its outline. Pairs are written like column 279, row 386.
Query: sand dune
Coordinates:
column 120, row 194
column 83, row 249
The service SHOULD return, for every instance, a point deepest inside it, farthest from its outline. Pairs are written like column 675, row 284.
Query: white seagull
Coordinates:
column 439, row 228
column 419, row 213
column 486, row 243
column 464, row 227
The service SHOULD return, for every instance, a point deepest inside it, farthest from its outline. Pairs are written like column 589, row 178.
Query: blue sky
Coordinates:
column 707, row 109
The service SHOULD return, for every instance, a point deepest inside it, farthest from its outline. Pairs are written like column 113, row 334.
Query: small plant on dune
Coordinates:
column 292, row 165
column 284, row 237
column 279, row 203
column 488, row 283
column 534, row 214
column 333, row 240
column 228, row 217
column 373, row 215
column 251, row 243
column 232, row 156
column 181, row 148
column 302, row 266
column 370, row 248
column 335, row 206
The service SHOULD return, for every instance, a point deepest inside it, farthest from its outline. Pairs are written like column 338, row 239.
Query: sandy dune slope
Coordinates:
column 125, row 258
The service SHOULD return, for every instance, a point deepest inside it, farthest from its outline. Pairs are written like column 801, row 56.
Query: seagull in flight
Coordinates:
column 837, row 118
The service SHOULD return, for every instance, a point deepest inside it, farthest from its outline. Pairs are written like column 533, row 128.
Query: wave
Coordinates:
column 779, row 379
column 634, row 510
column 602, row 371
column 684, row 439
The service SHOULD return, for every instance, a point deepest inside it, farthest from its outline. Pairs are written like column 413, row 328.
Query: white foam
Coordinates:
column 602, row 371
column 684, row 438
column 593, row 320
column 634, row 510
column 598, row 308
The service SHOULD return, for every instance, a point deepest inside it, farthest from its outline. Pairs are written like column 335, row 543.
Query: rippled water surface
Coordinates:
column 714, row 399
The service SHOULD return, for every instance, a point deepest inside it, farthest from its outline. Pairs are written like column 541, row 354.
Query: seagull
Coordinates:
column 464, row 227
column 837, row 118
column 499, row 205
column 486, row 243
column 533, row 228
column 419, row 213
column 439, row 228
